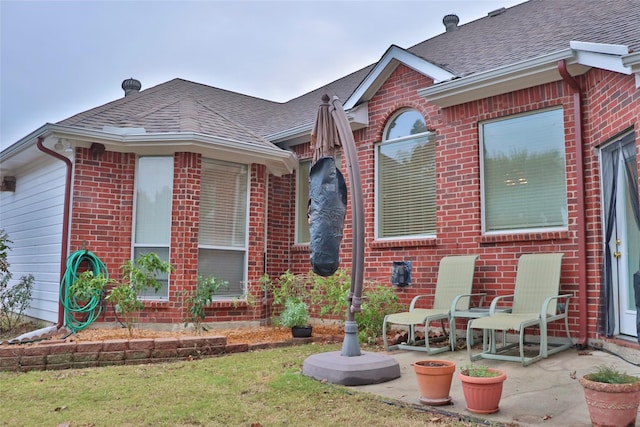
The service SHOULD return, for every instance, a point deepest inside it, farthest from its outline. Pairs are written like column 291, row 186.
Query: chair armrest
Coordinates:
column 494, row 303
column 547, row 301
column 415, row 300
column 457, row 299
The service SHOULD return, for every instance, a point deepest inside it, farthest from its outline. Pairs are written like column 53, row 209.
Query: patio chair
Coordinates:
column 534, row 304
column 453, row 287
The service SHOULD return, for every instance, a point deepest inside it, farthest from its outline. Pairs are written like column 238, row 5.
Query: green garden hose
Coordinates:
column 80, row 313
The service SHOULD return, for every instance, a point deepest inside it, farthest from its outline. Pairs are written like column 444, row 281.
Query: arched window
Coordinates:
column 406, row 178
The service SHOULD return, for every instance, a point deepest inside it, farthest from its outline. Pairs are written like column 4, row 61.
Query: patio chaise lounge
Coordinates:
column 535, row 304
column 453, row 287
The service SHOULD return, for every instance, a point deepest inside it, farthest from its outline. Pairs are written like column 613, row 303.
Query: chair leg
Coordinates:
column 384, row 334
column 452, row 333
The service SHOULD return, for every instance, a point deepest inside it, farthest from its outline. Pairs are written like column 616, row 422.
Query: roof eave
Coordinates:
column 632, row 61
column 358, row 118
column 278, row 161
column 533, row 72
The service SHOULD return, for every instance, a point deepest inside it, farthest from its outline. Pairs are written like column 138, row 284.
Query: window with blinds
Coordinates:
column 222, row 242
column 524, row 172
column 302, row 202
column 152, row 222
column 406, row 179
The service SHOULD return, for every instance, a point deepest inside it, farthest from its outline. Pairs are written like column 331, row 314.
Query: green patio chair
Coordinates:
column 534, row 304
column 453, row 291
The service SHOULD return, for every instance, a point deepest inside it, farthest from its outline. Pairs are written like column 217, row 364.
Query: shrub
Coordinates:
column 137, row 275
column 16, row 298
column 198, row 299
column 331, row 295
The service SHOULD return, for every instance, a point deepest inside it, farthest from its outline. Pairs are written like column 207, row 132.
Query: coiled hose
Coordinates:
column 80, row 313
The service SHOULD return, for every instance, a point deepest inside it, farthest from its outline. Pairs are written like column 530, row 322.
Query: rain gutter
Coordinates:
column 582, row 226
column 65, row 220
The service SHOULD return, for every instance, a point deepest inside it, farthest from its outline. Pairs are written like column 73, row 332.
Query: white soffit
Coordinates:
column 386, row 65
column 600, row 55
column 632, row 61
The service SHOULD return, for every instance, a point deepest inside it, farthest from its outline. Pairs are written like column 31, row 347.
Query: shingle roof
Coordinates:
column 531, row 29
column 521, row 32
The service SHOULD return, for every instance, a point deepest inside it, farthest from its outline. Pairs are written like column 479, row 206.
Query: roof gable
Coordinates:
column 386, row 65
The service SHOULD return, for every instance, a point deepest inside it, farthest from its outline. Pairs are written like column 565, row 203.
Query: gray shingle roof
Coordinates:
column 531, row 29
column 521, row 32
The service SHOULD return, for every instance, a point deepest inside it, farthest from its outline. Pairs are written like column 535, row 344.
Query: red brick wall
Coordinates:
column 610, row 103
column 102, row 218
column 102, row 206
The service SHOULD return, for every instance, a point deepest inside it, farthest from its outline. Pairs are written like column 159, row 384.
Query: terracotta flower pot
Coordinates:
column 483, row 394
column 611, row 404
column 434, row 380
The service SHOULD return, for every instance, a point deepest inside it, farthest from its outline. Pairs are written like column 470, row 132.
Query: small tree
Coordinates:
column 198, row 299
column 14, row 299
column 137, row 275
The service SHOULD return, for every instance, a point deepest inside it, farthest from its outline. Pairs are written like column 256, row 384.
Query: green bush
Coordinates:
column 198, row 299
column 16, row 298
column 137, row 275
column 331, row 295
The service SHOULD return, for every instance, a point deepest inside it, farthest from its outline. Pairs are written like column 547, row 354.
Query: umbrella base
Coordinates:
column 368, row 368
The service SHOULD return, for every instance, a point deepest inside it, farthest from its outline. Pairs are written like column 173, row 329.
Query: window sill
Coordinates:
column 523, row 237
column 236, row 304
column 156, row 304
column 409, row 243
column 300, row 247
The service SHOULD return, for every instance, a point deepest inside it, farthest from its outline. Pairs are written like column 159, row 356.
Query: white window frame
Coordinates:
column 515, row 181
column 430, row 136
column 230, row 248
column 301, row 204
column 145, row 247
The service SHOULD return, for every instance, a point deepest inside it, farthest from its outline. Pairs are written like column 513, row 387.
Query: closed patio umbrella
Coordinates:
column 350, row 366
column 327, row 207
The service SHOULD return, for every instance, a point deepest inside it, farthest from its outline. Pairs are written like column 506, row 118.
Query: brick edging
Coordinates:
column 71, row 355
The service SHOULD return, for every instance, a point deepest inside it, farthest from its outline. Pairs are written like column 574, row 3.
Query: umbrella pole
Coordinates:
column 350, row 344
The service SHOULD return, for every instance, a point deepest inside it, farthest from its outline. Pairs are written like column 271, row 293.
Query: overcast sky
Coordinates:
column 59, row 58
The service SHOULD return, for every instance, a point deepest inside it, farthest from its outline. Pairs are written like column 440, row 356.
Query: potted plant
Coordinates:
column 296, row 316
column 612, row 396
column 434, row 381
column 482, row 388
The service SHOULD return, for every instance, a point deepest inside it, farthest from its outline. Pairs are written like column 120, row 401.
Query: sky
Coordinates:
column 59, row 58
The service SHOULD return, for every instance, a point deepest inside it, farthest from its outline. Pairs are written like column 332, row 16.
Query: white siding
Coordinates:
column 32, row 218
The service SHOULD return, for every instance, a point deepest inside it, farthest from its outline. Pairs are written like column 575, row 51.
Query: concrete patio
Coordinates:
column 546, row 393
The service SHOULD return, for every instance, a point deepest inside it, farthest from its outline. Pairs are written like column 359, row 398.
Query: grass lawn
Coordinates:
column 254, row 389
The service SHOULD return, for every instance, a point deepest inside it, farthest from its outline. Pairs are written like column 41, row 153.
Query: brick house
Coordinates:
column 503, row 136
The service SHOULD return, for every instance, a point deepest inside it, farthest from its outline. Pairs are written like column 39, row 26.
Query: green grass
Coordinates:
column 262, row 388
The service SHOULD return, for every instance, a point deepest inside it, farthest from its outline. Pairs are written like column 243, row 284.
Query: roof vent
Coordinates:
column 131, row 86
column 451, row 22
column 497, row 12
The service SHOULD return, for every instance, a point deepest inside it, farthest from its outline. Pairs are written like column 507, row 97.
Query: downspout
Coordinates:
column 65, row 221
column 582, row 225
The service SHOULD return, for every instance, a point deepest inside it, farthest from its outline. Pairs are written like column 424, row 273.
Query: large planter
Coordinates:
column 434, row 380
column 611, row 404
column 483, row 394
